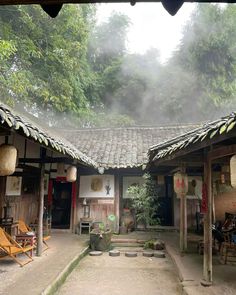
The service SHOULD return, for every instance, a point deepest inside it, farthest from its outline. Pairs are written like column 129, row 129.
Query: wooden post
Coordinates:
column 117, row 202
column 183, row 223
column 2, row 192
column 40, row 212
column 207, row 260
column 74, row 206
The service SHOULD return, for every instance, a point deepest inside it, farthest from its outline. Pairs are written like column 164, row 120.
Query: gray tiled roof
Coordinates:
column 122, row 147
column 205, row 132
column 22, row 125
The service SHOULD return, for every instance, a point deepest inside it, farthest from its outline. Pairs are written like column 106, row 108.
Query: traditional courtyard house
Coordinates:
column 121, row 154
column 209, row 153
column 43, row 172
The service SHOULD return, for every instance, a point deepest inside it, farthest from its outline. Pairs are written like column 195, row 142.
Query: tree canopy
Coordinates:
column 73, row 67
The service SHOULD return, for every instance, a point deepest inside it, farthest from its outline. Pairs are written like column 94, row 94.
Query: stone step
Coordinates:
column 130, row 241
column 126, row 245
column 127, row 249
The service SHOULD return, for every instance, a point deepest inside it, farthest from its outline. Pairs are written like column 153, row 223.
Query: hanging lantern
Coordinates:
column 60, row 169
column 180, row 183
column 8, row 156
column 233, row 171
column 71, row 174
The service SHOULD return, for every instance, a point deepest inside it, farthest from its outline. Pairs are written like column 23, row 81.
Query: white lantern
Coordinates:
column 60, row 169
column 180, row 183
column 8, row 156
column 233, row 171
column 71, row 174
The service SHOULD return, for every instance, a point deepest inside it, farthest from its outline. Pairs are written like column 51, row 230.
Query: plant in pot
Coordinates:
column 100, row 238
column 145, row 201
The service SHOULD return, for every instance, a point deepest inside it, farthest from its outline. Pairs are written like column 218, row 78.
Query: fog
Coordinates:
column 124, row 84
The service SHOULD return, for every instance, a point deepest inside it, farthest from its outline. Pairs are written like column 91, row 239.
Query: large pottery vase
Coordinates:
column 100, row 241
column 127, row 219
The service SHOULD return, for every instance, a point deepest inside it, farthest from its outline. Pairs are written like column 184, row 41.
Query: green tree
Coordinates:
column 144, row 201
column 43, row 61
column 208, row 50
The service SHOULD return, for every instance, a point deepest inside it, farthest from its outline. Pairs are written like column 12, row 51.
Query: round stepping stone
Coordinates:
column 95, row 253
column 159, row 254
column 114, row 253
column 131, row 254
column 148, row 254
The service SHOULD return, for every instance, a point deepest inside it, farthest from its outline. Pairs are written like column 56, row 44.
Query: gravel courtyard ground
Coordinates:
column 122, row 275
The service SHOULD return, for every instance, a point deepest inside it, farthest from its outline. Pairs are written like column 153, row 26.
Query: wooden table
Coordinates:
column 24, row 240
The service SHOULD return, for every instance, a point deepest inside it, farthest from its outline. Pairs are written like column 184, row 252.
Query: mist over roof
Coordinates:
column 125, row 147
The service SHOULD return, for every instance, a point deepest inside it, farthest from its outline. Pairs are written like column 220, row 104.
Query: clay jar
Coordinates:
column 127, row 219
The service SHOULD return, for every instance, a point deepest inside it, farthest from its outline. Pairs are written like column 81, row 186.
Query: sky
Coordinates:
column 151, row 25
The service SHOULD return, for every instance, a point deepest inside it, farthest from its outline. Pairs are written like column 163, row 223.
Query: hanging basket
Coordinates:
column 8, row 156
column 180, row 183
column 71, row 174
column 233, row 171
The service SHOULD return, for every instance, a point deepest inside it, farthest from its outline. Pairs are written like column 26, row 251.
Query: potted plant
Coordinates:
column 145, row 201
column 100, row 238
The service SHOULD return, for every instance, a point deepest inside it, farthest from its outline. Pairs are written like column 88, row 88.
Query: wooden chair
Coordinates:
column 24, row 229
column 11, row 248
column 228, row 248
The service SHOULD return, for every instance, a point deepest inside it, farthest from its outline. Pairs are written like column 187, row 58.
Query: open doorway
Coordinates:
column 165, row 199
column 61, row 205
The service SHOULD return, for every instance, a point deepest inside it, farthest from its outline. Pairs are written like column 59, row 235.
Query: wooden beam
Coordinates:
column 197, row 146
column 4, row 132
column 46, row 160
column 177, row 163
column 222, row 152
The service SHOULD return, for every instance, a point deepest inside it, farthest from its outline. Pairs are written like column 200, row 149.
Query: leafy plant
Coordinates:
column 145, row 201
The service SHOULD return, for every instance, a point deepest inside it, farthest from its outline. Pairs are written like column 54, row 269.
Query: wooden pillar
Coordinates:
column 74, row 198
column 183, row 223
column 207, row 260
column 2, row 193
column 117, row 202
column 40, row 212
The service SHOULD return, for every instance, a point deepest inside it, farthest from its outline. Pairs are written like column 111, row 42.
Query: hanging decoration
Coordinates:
column 71, row 174
column 8, row 157
column 180, row 183
column 233, row 171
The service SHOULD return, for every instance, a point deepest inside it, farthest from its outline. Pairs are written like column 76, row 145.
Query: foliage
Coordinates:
column 145, row 201
column 74, row 72
column 43, row 61
column 208, row 50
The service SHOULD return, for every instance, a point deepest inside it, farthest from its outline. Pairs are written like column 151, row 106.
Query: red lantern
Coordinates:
column 180, row 183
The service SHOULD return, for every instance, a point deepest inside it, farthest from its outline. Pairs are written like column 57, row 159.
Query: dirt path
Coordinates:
column 122, row 275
